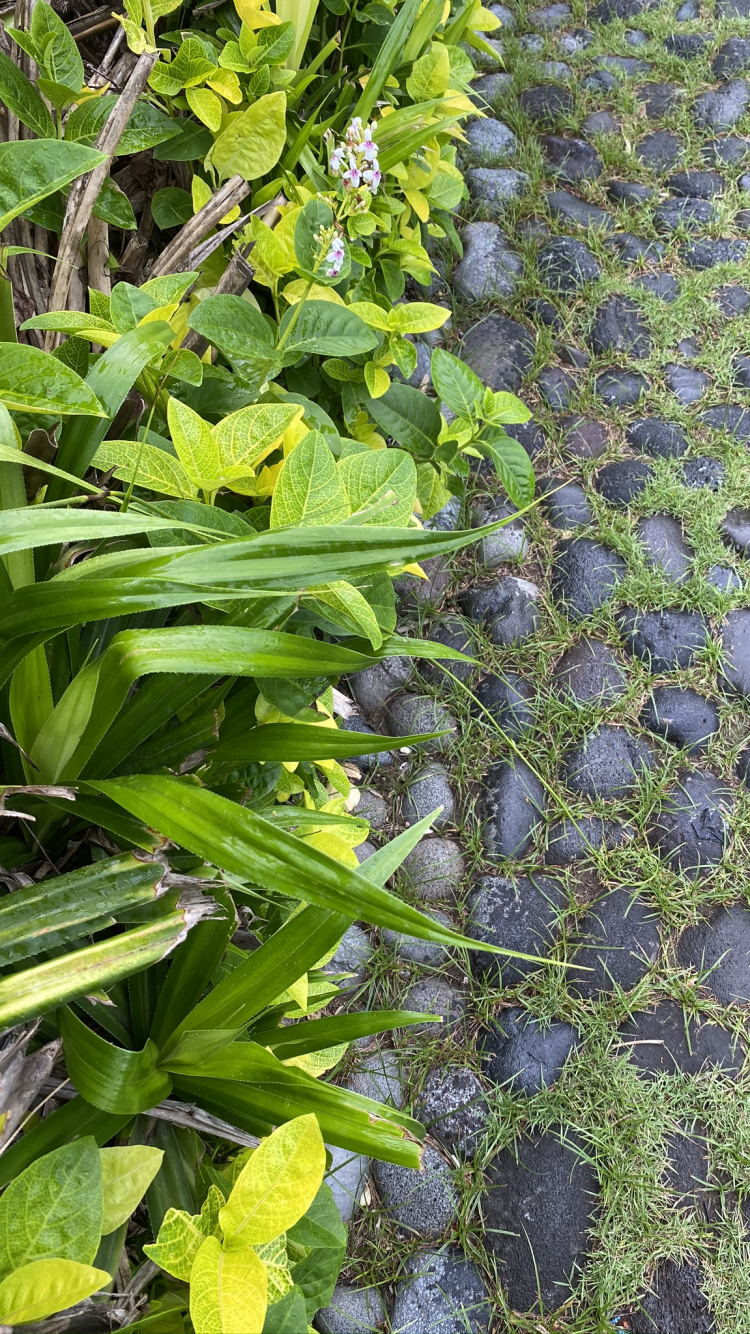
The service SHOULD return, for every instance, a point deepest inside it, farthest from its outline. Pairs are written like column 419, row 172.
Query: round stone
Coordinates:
column 547, row 104
column 490, row 267
column 556, row 386
column 666, row 640
column 688, row 45
column 373, row 686
column 453, row 1109
column 565, row 504
column 724, row 579
column 453, row 633
column 697, row 184
column 352, row 955
column 443, row 1293
column 371, row 806
column 499, row 351
column 435, row 869
column 352, row 1309
column 731, row 58
column 630, row 192
column 732, row 301
column 687, row 1174
column 690, row 830
column 659, row 150
column 618, row 326
column 566, row 264
column 728, row 417
column 585, row 575
column 421, row 1202
column 667, row 1041
column 538, row 1212
column 686, row 382
column 513, row 803
column 507, row 697
column 378, row 1076
column 619, row 941
column 508, row 543
column 584, row 438
column 571, row 160
column 621, row 483
column 682, row 716
column 381, row 759
column 429, row 789
column 490, row 142
column 703, row 471
column 413, row 592
column 665, row 547
column 492, row 189
column 521, row 915
column 620, row 388
column 735, row 529
column 435, row 996
column 722, row 108
column 684, row 215
column 708, row 253
column 663, row 440
column 664, row 286
column 589, row 672
column 407, row 715
column 524, row 1054
column 719, row 947
column 728, row 148
column 575, row 840
column 608, row 763
column 492, row 88
column 509, row 608
column 634, row 249
column 427, row 953
column 735, row 641
column 347, row 1177
column 675, row 1301
column 600, row 122
column 364, row 851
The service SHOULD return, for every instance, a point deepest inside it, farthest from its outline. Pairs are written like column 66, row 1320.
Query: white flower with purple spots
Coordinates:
column 355, row 160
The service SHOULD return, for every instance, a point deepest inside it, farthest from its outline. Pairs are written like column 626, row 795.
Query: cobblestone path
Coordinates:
column 589, row 1159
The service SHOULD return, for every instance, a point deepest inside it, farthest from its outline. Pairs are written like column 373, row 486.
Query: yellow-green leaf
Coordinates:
column 127, row 1172
column 377, row 379
column 194, row 443
column 417, row 317
column 430, row 74
column 253, row 142
column 147, row 466
column 347, row 607
column 180, row 1238
column 206, row 106
column 373, row 315
column 380, row 475
column 228, row 1290
column 309, row 490
column 277, row 1185
column 44, row 1287
column 245, row 438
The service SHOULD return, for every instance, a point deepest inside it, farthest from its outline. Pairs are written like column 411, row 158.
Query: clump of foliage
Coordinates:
column 211, row 470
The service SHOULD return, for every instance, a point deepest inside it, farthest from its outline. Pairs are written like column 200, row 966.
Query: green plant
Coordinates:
column 62, row 1224
column 268, row 1236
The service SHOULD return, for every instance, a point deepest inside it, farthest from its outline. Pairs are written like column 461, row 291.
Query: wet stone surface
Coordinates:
column 664, row 640
column 681, row 716
column 674, row 1303
column 690, row 830
column 608, row 763
column 513, row 804
column 585, row 575
column 441, row 1292
column 453, row 1108
column 618, row 941
column 419, row 1202
column 521, row 915
column 548, row 1193
column 590, row 671
column 666, row 1041
column 525, row 1055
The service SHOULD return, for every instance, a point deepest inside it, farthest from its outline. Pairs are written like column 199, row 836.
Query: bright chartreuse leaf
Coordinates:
column 246, row 437
column 53, row 1208
column 386, row 477
column 195, row 445
column 309, row 490
column 180, row 1238
column 277, row 1184
column 32, row 170
column 189, row 67
column 44, row 1287
column 147, row 466
column 228, row 1290
column 417, row 317
column 430, row 74
column 35, row 381
column 127, row 1172
column 253, row 141
column 343, row 604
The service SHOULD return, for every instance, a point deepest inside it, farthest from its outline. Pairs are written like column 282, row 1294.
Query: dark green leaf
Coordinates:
column 411, row 418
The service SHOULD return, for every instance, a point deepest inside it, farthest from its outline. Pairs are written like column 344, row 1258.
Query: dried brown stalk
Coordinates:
column 179, row 250
column 85, row 191
column 97, row 255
